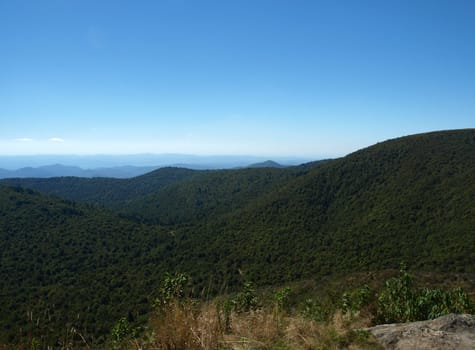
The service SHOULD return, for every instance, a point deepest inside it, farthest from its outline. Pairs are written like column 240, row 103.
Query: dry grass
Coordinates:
column 188, row 326
column 182, row 326
column 254, row 330
column 338, row 333
column 201, row 328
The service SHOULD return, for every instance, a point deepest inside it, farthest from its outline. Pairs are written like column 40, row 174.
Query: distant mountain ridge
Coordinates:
column 118, row 172
column 198, row 162
column 57, row 170
column 266, row 164
column 109, row 192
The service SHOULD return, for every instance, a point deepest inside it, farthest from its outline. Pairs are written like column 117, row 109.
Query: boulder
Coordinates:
column 448, row 332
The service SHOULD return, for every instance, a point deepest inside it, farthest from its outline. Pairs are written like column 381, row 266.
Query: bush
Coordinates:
column 397, row 301
column 315, row 311
column 120, row 332
column 401, row 301
column 281, row 299
column 246, row 300
column 432, row 303
column 172, row 289
column 356, row 300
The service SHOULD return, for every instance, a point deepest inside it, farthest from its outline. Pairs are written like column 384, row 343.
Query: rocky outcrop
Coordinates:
column 448, row 332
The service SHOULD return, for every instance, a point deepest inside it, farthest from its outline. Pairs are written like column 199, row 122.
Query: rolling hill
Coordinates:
column 67, row 265
column 168, row 195
column 406, row 199
column 108, row 192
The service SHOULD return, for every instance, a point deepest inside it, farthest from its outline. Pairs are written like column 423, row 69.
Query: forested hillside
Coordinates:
column 409, row 199
column 65, row 265
column 209, row 195
column 108, row 192
column 170, row 195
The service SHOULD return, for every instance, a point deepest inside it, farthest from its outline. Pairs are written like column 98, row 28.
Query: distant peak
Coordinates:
column 266, row 164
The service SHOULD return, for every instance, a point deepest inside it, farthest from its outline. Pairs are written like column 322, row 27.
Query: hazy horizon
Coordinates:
column 15, row 162
column 312, row 79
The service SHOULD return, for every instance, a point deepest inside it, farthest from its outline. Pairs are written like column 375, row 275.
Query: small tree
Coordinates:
column 120, row 332
column 401, row 301
column 281, row 299
column 172, row 289
column 246, row 300
column 397, row 301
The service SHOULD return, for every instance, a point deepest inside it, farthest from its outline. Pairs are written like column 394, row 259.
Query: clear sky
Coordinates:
column 300, row 78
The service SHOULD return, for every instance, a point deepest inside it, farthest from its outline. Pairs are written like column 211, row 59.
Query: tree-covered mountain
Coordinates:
column 108, row 192
column 66, row 265
column 410, row 199
column 266, row 164
column 209, row 195
column 169, row 195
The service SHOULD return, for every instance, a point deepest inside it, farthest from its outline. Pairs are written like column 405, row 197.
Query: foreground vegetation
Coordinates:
column 275, row 318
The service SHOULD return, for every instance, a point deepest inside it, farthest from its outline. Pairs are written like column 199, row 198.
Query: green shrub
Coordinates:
column 401, row 301
column 313, row 310
column 397, row 301
column 357, row 299
column 246, row 300
column 281, row 299
column 120, row 332
column 172, row 289
column 432, row 303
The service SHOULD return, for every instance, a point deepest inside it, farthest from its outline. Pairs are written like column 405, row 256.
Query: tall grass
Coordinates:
column 192, row 327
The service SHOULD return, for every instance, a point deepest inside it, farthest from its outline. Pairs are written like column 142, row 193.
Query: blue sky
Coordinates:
column 294, row 78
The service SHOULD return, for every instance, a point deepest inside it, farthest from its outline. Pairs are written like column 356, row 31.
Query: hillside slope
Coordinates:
column 169, row 195
column 109, row 192
column 409, row 199
column 209, row 194
column 67, row 265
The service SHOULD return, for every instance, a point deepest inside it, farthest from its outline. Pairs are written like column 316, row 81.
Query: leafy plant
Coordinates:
column 432, row 303
column 402, row 301
column 172, row 288
column 281, row 299
column 397, row 301
column 246, row 300
column 354, row 301
column 227, row 308
column 313, row 310
column 120, row 332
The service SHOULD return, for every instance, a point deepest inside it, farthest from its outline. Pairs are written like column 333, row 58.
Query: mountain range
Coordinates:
column 58, row 170
column 121, row 172
column 124, row 165
column 91, row 250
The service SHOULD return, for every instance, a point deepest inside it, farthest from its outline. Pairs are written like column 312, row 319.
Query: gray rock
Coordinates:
column 448, row 332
